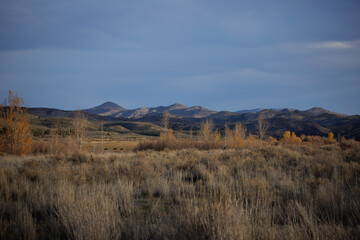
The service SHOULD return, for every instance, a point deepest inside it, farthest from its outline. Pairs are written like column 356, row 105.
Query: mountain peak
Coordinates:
column 109, row 105
column 105, row 109
column 287, row 110
column 317, row 111
column 176, row 106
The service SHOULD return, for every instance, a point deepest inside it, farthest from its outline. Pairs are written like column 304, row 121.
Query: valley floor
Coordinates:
column 263, row 192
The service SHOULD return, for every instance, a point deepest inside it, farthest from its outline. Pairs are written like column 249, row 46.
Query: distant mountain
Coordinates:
column 318, row 111
column 52, row 112
column 176, row 109
column 250, row 110
column 195, row 112
column 314, row 121
column 111, row 109
column 105, row 109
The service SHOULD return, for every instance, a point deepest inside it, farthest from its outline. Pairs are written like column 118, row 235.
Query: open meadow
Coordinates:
column 283, row 191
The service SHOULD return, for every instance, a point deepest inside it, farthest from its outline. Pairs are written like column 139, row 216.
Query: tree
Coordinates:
column 290, row 138
column 229, row 137
column 235, row 138
column 331, row 137
column 165, row 120
column 191, row 131
column 102, row 134
column 206, row 129
column 80, row 123
column 262, row 127
column 56, row 131
column 240, row 130
column 16, row 136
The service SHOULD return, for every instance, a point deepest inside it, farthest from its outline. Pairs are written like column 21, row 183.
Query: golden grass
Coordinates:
column 260, row 192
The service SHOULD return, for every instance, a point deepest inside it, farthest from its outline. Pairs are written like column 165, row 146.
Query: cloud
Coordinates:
column 335, row 44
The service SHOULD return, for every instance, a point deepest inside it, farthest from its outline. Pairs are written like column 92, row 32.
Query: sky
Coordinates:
column 223, row 55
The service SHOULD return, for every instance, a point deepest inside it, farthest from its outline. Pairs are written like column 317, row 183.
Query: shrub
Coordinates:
column 264, row 192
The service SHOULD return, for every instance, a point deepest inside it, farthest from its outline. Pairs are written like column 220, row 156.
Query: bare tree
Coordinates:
column 262, row 127
column 165, row 120
column 80, row 123
column 102, row 134
column 229, row 136
column 56, row 131
column 240, row 130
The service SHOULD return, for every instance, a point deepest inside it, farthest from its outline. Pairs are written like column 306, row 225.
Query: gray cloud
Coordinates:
column 234, row 54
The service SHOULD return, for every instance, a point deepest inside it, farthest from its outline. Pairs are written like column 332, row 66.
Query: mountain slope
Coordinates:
column 177, row 109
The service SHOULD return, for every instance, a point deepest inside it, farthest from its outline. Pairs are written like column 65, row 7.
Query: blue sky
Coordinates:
column 223, row 55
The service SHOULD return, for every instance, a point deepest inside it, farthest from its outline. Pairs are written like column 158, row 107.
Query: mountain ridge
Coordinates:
column 113, row 110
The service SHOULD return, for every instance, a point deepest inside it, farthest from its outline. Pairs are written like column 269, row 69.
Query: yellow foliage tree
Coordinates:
column 252, row 141
column 229, row 137
column 331, row 137
column 290, row 138
column 217, row 136
column 16, row 136
column 206, row 129
column 235, row 138
column 287, row 135
column 168, row 136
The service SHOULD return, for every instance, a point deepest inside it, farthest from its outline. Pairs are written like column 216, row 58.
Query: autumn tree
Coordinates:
column 235, row 138
column 102, row 134
column 56, row 131
column 331, row 137
column 16, row 136
column 229, row 137
column 191, row 131
column 206, row 129
column 240, row 130
column 80, row 124
column 290, row 138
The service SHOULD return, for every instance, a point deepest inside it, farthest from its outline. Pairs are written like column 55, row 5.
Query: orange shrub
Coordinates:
column 272, row 141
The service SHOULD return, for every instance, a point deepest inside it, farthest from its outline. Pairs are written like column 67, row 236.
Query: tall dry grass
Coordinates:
column 262, row 192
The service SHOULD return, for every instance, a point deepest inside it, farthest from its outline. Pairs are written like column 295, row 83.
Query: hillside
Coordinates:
column 176, row 109
column 315, row 121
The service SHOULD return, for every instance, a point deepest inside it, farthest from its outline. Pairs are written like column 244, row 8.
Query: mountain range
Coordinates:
column 111, row 109
column 178, row 110
column 314, row 121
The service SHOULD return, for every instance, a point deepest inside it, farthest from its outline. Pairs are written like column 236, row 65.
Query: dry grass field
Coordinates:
column 293, row 191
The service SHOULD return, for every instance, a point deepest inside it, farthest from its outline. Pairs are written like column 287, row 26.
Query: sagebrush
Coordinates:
column 262, row 192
